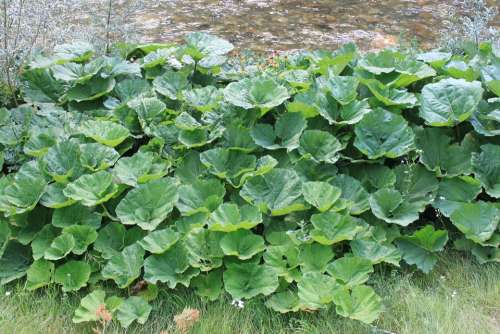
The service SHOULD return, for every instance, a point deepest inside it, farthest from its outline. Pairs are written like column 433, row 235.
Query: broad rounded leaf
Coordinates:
column 105, row 132
column 350, row 270
column 133, row 309
column 277, row 191
column 92, row 189
column 243, row 244
column 449, row 101
column 478, row 221
column 320, row 146
column 158, row 242
column 247, row 280
column 228, row 217
column 486, row 167
column 149, row 204
column 383, row 134
column 125, row 267
column 361, row 304
column 73, row 275
column 321, row 195
column 332, row 227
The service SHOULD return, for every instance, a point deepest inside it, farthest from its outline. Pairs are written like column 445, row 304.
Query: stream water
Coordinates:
column 292, row 24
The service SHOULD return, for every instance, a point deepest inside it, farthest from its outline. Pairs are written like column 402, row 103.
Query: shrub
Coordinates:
column 177, row 165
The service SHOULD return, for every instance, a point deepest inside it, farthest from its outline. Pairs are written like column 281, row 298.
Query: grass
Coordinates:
column 459, row 296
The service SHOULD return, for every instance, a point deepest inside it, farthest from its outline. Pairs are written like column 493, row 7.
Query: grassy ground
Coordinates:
column 459, row 296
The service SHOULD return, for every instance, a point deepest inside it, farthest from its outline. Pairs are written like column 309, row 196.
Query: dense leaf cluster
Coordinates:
column 177, row 165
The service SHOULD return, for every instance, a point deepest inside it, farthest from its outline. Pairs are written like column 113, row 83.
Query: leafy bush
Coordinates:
column 179, row 166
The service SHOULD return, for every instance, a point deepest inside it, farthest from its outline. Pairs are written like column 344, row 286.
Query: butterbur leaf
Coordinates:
column 111, row 240
column 321, row 195
column 491, row 77
column 379, row 63
column 383, row 134
column 90, row 90
column 204, row 250
column 277, row 191
column 228, row 217
column 149, row 204
column 14, row 262
column 454, row 191
column 309, row 286
column 228, row 164
column 62, row 161
column 350, row 270
column 411, row 71
column 76, row 214
column 440, row 155
column 39, row 86
column 105, row 132
column 208, row 285
column 83, row 235
column 389, row 205
column 92, row 189
column 353, row 193
column 171, row 84
column 314, row 257
column 201, row 196
column 260, row 93
column 243, row 244
column 74, row 52
column 332, row 227
column 54, row 197
column 60, row 247
column 478, row 221
column 247, row 280
column 486, row 168
column 486, row 118
column 203, row 99
column 125, row 267
column 375, row 251
column 200, row 45
column 420, row 247
column 39, row 274
column 96, row 157
column 73, row 275
column 158, row 242
column 133, row 309
column 342, row 88
column 285, row 134
column 170, row 267
column 449, row 101
column 361, row 304
column 140, row 168
column 87, row 310
column 390, row 96
column 320, row 146
column 5, row 234
column 284, row 302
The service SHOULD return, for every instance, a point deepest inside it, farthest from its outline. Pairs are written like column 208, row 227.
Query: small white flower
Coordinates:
column 7, row 293
column 442, row 198
column 454, row 294
column 442, row 277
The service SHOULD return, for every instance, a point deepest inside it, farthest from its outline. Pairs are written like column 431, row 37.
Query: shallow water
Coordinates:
column 293, row 24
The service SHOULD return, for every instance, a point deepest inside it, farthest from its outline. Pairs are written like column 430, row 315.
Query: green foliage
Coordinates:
column 289, row 185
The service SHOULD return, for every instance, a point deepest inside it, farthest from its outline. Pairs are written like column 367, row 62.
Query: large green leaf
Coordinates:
column 140, row 168
column 125, row 267
column 259, row 93
column 39, row 86
column 39, row 274
column 243, row 244
column 390, row 206
column 353, row 193
column 342, row 88
column 83, row 235
column 321, row 195
column 159, row 241
column 204, row 250
column 228, row 164
column 419, row 248
column 89, row 305
column 321, row 146
column 277, row 191
column 228, row 217
column 92, row 189
column 486, row 118
column 171, row 267
column 440, row 155
column 478, row 221
column 149, row 204
column 449, row 101
column 15, row 262
column 201, row 196
column 60, row 247
column 96, row 157
column 383, row 134
column 62, row 161
column 332, row 227
column 361, row 304
column 171, row 84
column 247, row 280
column 285, row 134
column 133, row 309
column 390, row 96
column 91, row 90
column 308, row 287
column 105, row 132
column 72, row 275
column 491, row 77
column 350, row 270
column 486, row 168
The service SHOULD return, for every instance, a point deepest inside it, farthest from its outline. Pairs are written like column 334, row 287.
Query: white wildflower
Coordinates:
column 7, row 293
